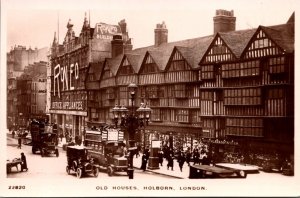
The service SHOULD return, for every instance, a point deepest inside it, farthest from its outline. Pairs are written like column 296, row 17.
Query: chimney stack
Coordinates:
column 117, row 46
column 224, row 21
column 161, row 34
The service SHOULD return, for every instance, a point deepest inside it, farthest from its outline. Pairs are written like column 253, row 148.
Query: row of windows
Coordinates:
column 242, row 92
column 231, row 96
column 244, row 131
column 246, row 122
column 262, row 52
column 277, row 65
column 250, row 68
column 176, row 115
column 233, row 70
column 149, row 68
column 179, row 65
column 250, row 96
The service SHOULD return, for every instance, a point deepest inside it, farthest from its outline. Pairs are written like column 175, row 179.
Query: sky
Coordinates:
column 32, row 23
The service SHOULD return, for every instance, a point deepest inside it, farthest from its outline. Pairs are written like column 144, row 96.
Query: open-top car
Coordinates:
column 80, row 163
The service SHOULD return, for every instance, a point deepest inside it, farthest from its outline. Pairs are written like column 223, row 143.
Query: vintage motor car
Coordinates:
column 79, row 162
column 48, row 144
column 44, row 138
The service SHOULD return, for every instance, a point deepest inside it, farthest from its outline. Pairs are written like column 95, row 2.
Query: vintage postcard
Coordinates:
column 149, row 98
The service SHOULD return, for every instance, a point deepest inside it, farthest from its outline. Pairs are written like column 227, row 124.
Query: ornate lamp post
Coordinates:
column 131, row 122
column 144, row 116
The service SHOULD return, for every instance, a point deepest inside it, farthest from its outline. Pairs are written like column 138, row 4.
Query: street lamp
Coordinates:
column 144, row 115
column 131, row 122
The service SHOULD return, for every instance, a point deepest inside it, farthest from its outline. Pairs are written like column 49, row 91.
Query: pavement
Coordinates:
column 176, row 173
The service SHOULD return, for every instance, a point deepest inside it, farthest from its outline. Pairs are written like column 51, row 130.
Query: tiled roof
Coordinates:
column 237, row 40
column 282, row 35
column 194, row 49
column 187, row 53
column 134, row 60
column 114, row 63
column 96, row 69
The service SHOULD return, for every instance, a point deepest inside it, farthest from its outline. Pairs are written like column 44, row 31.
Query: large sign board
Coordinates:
column 76, row 105
column 106, row 31
column 64, row 77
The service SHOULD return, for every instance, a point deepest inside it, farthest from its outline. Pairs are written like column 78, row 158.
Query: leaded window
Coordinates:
column 243, row 69
column 247, row 96
column 277, row 65
column 207, row 72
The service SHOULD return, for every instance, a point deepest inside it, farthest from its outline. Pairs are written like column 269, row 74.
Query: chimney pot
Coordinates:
column 161, row 34
column 224, row 21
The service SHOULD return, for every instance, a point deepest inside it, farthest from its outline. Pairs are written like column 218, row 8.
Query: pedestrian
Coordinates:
column 160, row 157
column 196, row 156
column 19, row 142
column 24, row 162
column 181, row 160
column 188, row 156
column 205, row 160
column 137, row 154
column 147, row 152
column 170, row 162
column 13, row 134
column 144, row 162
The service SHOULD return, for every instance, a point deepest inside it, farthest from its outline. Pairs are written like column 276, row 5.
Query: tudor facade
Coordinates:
column 233, row 84
column 248, row 95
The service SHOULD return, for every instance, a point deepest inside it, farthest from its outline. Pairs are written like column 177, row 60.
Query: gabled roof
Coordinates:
column 114, row 63
column 159, row 58
column 134, row 60
column 191, row 49
column 283, row 35
column 194, row 49
column 96, row 69
column 237, row 41
column 186, row 52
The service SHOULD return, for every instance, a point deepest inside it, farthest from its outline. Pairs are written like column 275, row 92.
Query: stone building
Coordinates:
column 69, row 63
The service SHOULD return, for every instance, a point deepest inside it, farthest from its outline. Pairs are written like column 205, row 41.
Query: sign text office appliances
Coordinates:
column 64, row 78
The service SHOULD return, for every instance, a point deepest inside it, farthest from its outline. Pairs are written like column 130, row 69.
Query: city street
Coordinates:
column 53, row 167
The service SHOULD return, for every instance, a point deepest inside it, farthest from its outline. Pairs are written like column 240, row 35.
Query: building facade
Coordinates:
column 69, row 64
column 17, row 60
column 233, row 84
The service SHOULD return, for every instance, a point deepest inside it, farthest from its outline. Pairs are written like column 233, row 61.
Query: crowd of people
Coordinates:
column 197, row 155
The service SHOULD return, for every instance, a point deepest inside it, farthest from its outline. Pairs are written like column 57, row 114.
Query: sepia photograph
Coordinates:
column 147, row 98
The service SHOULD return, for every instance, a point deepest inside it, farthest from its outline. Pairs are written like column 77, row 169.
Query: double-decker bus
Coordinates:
column 106, row 147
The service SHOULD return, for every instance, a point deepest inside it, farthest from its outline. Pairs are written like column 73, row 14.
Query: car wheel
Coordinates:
column 95, row 171
column 79, row 173
column 242, row 174
column 110, row 171
column 68, row 170
column 56, row 152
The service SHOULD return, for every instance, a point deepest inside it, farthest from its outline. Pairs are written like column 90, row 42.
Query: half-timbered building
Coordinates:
column 230, row 85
